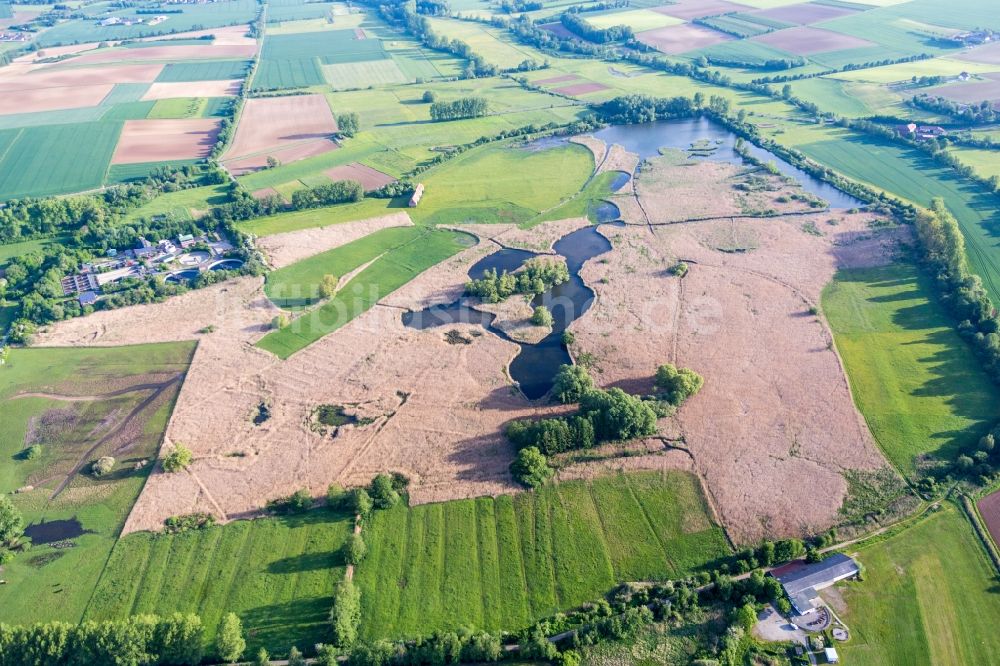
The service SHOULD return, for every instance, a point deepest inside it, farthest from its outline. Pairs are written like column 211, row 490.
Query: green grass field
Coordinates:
column 193, row 17
column 296, row 60
column 188, row 107
column 914, row 379
column 929, row 597
column 210, row 70
column 180, row 204
column 48, row 583
column 277, row 574
column 500, row 563
column 486, row 184
column 399, row 256
column 55, row 159
column 911, row 175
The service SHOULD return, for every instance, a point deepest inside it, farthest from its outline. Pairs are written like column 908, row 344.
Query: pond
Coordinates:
column 54, row 530
column 535, row 365
column 646, row 139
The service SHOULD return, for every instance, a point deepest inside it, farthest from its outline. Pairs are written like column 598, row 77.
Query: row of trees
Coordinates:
column 328, row 194
column 578, row 25
column 983, row 113
column 465, row 107
column 537, row 275
column 603, row 416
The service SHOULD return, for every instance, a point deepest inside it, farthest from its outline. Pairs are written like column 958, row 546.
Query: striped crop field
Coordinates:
column 500, row 563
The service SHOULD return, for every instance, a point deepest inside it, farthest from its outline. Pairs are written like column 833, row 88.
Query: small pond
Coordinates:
column 535, row 364
column 54, row 530
column 646, row 139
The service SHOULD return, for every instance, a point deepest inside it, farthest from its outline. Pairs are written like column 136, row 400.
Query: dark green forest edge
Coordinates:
column 700, row 593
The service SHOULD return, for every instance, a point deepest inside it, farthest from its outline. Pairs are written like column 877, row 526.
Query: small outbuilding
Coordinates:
column 831, row 655
column 418, row 193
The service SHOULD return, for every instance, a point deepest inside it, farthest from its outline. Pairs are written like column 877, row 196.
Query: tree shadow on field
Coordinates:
column 307, row 562
column 482, row 458
column 276, row 627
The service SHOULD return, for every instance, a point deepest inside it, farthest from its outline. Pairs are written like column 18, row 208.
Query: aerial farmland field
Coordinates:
column 392, row 333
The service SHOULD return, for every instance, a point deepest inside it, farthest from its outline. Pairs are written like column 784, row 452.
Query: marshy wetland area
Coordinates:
column 470, row 331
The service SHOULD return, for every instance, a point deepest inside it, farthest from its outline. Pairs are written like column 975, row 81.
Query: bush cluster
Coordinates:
column 534, row 277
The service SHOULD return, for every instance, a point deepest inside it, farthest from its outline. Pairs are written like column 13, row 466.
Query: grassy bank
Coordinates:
column 914, row 379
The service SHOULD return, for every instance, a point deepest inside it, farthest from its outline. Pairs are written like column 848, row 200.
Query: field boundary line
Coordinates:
column 652, row 527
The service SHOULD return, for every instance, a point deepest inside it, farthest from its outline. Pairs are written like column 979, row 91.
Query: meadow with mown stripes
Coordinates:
column 500, row 563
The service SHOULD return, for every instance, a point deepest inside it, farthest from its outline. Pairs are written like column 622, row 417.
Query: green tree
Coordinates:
column 361, row 502
column 346, row 613
column 230, row 644
column 262, row 659
column 348, row 124
column 179, row 639
column 541, row 316
column 336, row 496
column 295, row 657
column 328, row 286
column 11, row 527
column 279, row 321
column 570, row 383
column 678, row 384
column 178, row 459
column 355, row 549
column 530, row 468
column 429, row 97
column 617, row 416
column 383, row 492
column 746, row 617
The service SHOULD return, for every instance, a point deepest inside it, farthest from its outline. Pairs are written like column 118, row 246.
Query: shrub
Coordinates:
column 336, row 496
column 102, row 466
column 346, row 613
column 295, row 657
column 230, row 644
column 361, row 502
column 530, row 468
column 298, row 502
column 383, row 492
column 617, row 416
column 347, row 124
column 262, row 659
column 328, row 286
column 35, row 450
column 355, row 549
column 429, row 97
column 178, row 459
column 187, row 522
column 568, row 338
column 280, row 321
column 678, row 384
column 541, row 316
column 570, row 383
column 680, row 269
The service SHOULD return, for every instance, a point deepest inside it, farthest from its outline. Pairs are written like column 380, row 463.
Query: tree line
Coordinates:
column 464, row 107
column 604, row 415
column 537, row 275
column 983, row 113
column 578, row 25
